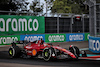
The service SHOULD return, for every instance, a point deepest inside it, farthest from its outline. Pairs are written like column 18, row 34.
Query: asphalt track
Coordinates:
column 6, row 61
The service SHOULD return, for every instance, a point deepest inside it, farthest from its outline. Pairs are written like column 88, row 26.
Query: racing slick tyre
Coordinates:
column 14, row 51
column 75, row 51
column 46, row 54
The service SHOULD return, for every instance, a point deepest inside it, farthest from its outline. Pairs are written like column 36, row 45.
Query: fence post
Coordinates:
column 71, row 24
column 58, row 23
column 83, row 21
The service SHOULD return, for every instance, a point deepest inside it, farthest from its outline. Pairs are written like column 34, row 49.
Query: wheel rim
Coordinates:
column 46, row 54
column 10, row 52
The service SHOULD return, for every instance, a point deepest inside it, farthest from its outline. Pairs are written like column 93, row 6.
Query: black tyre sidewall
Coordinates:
column 75, row 51
column 15, row 51
column 47, row 58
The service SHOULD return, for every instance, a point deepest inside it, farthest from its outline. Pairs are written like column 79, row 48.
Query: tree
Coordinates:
column 60, row 6
column 49, row 4
column 13, row 5
column 69, row 6
column 36, row 7
column 78, row 6
column 20, row 4
column 6, row 5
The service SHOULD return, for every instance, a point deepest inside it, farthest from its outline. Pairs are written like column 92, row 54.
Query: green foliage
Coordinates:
column 13, row 5
column 49, row 4
column 60, row 6
column 75, row 8
column 7, row 5
column 36, row 7
column 69, row 6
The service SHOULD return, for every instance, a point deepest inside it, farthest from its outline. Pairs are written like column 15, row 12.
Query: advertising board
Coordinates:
column 33, row 37
column 75, row 37
column 12, row 24
column 87, row 36
column 46, row 37
column 6, row 40
column 94, row 44
column 55, row 37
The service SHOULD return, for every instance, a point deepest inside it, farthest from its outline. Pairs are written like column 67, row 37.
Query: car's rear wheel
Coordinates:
column 46, row 54
column 14, row 51
column 75, row 51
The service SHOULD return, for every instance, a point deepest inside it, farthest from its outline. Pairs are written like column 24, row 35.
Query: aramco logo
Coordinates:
column 19, row 24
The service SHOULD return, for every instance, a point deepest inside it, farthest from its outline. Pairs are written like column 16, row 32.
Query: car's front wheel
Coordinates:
column 46, row 54
column 75, row 51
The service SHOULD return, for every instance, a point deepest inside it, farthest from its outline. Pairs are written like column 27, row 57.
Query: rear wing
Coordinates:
column 24, row 42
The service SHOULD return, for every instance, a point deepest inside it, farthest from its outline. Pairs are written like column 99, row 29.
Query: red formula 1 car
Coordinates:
column 40, row 49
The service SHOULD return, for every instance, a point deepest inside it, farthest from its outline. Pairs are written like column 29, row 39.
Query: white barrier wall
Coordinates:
column 94, row 44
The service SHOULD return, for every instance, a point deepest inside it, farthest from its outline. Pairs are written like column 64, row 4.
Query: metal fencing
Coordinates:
column 94, row 17
column 59, row 23
column 65, row 25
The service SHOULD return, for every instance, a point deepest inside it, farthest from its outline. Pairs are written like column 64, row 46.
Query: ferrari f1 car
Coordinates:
column 40, row 49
